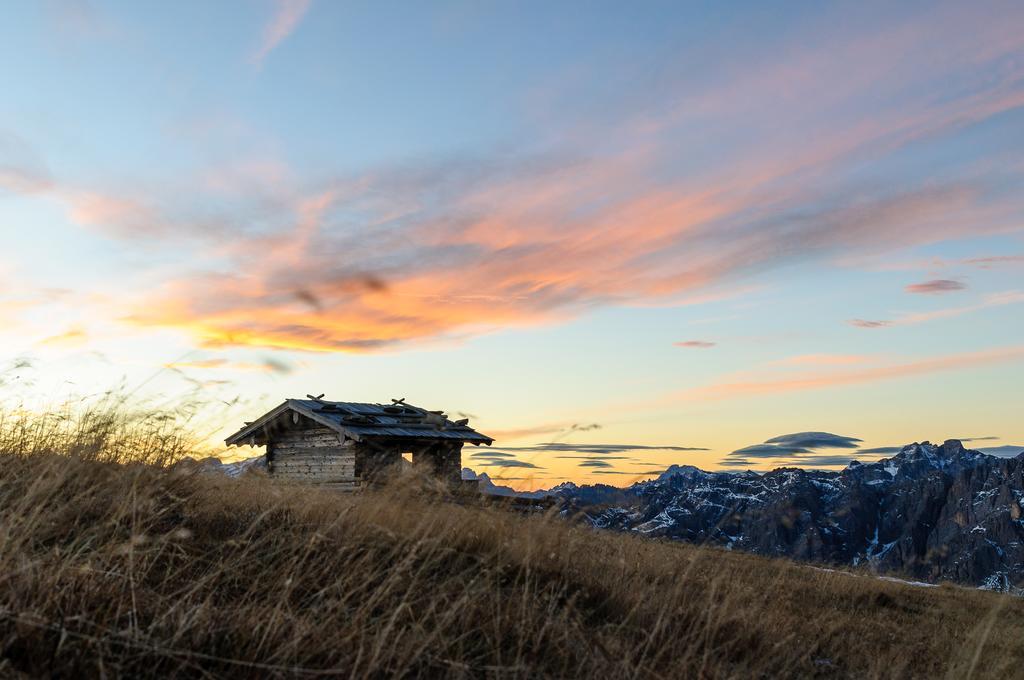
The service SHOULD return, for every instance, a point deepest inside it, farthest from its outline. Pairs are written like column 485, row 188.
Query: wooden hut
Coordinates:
column 344, row 444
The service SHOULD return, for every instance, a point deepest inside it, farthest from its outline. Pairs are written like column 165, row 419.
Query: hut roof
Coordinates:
column 362, row 421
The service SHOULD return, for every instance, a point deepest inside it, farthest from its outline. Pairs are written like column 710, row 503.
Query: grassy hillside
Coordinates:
column 124, row 568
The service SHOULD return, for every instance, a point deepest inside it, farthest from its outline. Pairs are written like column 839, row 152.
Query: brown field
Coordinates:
column 113, row 564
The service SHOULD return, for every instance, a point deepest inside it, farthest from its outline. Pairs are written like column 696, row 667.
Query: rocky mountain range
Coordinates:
column 930, row 512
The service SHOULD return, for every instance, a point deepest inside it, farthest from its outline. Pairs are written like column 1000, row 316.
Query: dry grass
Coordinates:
column 114, row 567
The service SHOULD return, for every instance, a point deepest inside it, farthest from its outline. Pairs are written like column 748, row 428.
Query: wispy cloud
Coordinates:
column 526, row 432
column 1005, row 451
column 285, row 19
column 798, row 443
column 22, row 169
column 800, row 449
column 636, row 475
column 994, row 261
column 81, row 19
column 602, row 456
column 822, row 360
column 268, row 365
column 445, row 250
column 936, row 286
column 1001, row 299
column 120, row 216
column 447, row 275
column 489, row 453
column 697, row 344
column 738, row 463
column 815, row 440
column 763, row 385
column 881, row 450
column 869, row 323
column 72, row 337
column 543, row 429
column 565, row 447
column 938, row 264
column 507, row 463
column 596, row 464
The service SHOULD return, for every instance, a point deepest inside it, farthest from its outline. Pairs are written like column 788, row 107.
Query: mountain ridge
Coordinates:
column 931, row 511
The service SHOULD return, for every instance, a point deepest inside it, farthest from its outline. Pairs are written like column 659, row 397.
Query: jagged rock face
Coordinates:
column 934, row 512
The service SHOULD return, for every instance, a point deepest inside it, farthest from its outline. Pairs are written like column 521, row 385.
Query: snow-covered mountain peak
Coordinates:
column 688, row 471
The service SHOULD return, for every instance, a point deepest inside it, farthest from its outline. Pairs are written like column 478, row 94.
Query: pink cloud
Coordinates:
column 81, row 19
column 286, row 18
column 492, row 259
column 265, row 366
column 868, row 323
column 505, row 263
column 936, row 286
column 1001, row 299
column 773, row 385
column 22, row 171
column 698, row 344
column 122, row 216
column 995, row 261
column 935, row 264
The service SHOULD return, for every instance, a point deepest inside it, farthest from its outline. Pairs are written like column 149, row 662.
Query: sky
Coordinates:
column 617, row 236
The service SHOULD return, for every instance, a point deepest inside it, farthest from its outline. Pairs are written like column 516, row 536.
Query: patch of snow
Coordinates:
column 982, row 496
column 239, row 468
column 874, row 540
column 661, row 521
column 885, row 548
column 999, row 549
column 919, row 584
column 1000, row 582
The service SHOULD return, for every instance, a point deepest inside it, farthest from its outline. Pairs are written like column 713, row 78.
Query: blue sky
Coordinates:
column 697, row 225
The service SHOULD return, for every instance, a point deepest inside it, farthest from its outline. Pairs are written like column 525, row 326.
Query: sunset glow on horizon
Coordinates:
column 615, row 237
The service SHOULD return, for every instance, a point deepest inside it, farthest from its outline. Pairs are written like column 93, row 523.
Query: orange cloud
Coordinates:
column 267, row 365
column 492, row 260
column 544, row 429
column 73, row 337
column 822, row 360
column 527, row 432
column 199, row 363
column 124, row 215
